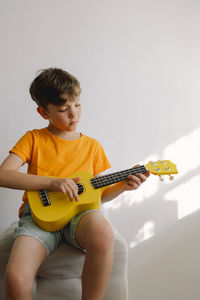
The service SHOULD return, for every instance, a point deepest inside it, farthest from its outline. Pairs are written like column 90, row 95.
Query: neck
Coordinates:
column 109, row 179
column 65, row 135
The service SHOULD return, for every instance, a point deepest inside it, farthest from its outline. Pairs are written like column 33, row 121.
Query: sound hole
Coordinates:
column 80, row 188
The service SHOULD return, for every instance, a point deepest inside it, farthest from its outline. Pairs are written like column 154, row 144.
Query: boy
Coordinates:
column 59, row 150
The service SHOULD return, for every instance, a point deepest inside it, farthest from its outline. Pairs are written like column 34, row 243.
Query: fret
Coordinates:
column 109, row 179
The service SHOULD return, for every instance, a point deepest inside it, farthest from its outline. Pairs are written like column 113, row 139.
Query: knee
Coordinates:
column 18, row 283
column 102, row 237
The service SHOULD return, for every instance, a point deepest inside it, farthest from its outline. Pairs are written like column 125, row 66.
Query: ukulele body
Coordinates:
column 61, row 209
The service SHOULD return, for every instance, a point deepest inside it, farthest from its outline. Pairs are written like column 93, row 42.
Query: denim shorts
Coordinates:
column 50, row 240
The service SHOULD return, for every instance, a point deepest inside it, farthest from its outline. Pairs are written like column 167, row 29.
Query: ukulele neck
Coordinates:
column 106, row 180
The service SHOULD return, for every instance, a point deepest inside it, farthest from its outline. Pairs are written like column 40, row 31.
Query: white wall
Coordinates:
column 139, row 66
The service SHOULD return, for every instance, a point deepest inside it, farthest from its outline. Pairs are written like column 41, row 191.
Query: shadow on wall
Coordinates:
column 143, row 220
column 168, row 265
column 153, row 208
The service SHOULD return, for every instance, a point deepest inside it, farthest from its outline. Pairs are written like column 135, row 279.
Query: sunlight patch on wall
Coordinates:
column 186, row 154
column 145, row 233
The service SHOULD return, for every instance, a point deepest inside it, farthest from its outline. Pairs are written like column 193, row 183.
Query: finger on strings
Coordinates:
column 134, row 178
column 75, row 194
column 69, row 192
column 142, row 177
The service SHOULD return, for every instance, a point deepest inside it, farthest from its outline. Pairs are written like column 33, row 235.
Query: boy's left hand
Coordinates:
column 134, row 181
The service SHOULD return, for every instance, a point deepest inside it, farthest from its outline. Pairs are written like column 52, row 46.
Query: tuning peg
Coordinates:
column 171, row 177
column 161, row 178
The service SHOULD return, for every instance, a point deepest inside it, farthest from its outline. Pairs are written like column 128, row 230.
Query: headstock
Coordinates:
column 162, row 167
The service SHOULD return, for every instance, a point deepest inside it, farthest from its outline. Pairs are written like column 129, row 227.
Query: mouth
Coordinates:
column 74, row 123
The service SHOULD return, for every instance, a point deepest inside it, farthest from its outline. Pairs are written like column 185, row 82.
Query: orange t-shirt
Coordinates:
column 49, row 155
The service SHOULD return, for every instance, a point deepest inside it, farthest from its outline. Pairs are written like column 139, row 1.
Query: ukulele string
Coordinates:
column 107, row 178
column 102, row 179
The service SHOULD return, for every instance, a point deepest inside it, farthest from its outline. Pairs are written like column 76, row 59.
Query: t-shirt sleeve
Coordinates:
column 23, row 148
column 101, row 162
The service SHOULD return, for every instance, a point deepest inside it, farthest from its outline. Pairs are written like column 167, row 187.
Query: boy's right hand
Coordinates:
column 65, row 185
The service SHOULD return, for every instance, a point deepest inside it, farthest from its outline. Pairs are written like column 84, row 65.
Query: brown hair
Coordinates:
column 50, row 84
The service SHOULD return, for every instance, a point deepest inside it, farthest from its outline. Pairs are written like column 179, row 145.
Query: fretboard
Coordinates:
column 109, row 179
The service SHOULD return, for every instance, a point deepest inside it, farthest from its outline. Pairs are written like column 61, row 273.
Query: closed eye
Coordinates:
column 63, row 110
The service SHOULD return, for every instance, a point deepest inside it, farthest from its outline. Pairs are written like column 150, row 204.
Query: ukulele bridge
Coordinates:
column 44, row 197
column 80, row 188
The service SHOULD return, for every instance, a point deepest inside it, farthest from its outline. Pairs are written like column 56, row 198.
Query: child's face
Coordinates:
column 65, row 117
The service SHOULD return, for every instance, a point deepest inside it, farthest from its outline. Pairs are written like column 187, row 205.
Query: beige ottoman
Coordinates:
column 59, row 276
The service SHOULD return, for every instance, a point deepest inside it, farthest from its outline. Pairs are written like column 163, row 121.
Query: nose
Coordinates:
column 72, row 113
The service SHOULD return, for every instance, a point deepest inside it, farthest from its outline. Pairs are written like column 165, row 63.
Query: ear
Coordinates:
column 42, row 112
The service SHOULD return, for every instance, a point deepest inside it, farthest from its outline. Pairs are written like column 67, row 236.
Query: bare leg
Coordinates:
column 95, row 233
column 26, row 256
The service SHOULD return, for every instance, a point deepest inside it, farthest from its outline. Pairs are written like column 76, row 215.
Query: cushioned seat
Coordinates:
column 59, row 276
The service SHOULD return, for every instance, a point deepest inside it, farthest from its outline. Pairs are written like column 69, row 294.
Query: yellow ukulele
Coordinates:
column 53, row 210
